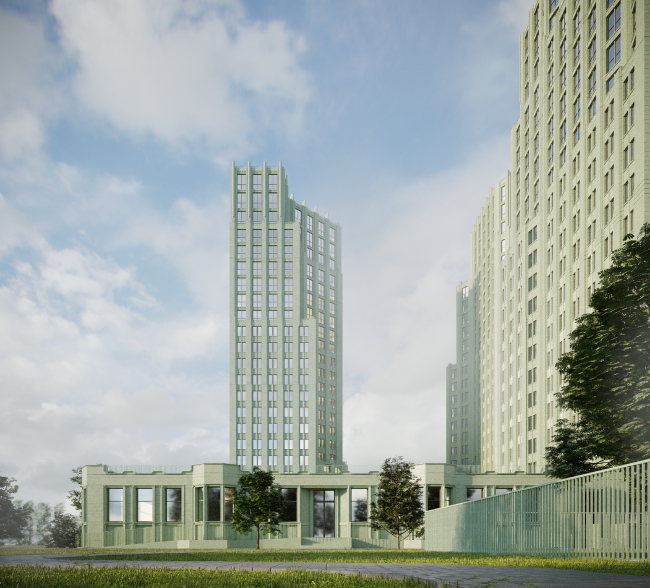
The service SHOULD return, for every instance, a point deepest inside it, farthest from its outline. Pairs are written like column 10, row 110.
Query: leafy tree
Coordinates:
column 75, row 495
column 13, row 518
column 63, row 530
column 399, row 509
column 42, row 520
column 606, row 373
column 257, row 502
column 572, row 452
column 28, row 529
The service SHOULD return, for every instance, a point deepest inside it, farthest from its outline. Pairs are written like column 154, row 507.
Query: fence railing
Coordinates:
column 603, row 514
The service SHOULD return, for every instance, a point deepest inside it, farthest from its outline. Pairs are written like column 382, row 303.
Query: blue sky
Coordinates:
column 118, row 125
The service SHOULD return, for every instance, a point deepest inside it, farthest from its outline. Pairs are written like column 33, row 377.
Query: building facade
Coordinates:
column 463, row 382
column 286, row 329
column 191, row 506
column 579, row 161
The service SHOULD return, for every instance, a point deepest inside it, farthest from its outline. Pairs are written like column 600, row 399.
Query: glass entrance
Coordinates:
column 324, row 520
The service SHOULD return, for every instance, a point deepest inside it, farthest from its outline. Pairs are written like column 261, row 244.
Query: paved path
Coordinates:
column 466, row 576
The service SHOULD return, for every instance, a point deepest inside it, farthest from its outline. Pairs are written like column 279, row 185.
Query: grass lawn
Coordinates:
column 87, row 577
column 393, row 556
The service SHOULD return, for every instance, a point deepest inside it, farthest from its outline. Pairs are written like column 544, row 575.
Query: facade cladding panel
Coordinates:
column 286, row 328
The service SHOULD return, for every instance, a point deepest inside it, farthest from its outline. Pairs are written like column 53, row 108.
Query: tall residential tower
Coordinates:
column 285, row 328
column 578, row 186
column 463, row 383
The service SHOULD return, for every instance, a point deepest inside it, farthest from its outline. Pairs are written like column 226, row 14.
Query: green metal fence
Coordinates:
column 604, row 514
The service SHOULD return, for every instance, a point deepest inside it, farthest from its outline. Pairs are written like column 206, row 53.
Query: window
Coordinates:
column 474, row 494
column 173, row 505
column 614, row 53
column 290, row 496
column 145, row 502
column 359, row 505
column 115, row 504
column 324, row 521
column 214, row 503
column 576, row 52
column 613, row 21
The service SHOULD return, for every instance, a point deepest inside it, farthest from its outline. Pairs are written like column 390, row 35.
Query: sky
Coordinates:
column 119, row 121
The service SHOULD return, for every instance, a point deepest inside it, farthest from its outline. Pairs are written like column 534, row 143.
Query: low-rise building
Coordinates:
column 191, row 507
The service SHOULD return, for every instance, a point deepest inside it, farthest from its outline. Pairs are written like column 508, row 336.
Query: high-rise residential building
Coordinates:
column 285, row 328
column 463, row 384
column 579, row 161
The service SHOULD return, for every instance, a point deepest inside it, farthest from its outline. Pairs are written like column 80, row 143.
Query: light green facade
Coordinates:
column 286, row 328
column 578, row 185
column 463, row 384
column 442, row 484
column 576, row 190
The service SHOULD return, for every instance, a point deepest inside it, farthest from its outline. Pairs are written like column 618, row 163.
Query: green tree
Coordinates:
column 42, row 519
column 63, row 530
column 398, row 509
column 28, row 529
column 75, row 495
column 606, row 372
column 13, row 517
column 257, row 502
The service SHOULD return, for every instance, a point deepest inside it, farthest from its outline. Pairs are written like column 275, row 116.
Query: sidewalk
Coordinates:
column 466, row 576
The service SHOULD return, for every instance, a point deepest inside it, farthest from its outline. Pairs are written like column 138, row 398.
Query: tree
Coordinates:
column 257, row 502
column 42, row 520
column 75, row 495
column 28, row 529
column 13, row 518
column 572, row 451
column 399, row 509
column 606, row 372
column 63, row 530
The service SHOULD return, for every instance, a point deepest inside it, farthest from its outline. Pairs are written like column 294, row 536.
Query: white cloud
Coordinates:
column 193, row 238
column 184, row 70
column 28, row 93
column 95, row 370
column 400, row 320
column 489, row 76
column 515, row 12
column 15, row 229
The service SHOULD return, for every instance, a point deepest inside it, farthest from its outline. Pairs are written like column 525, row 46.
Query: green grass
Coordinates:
column 87, row 577
column 394, row 556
